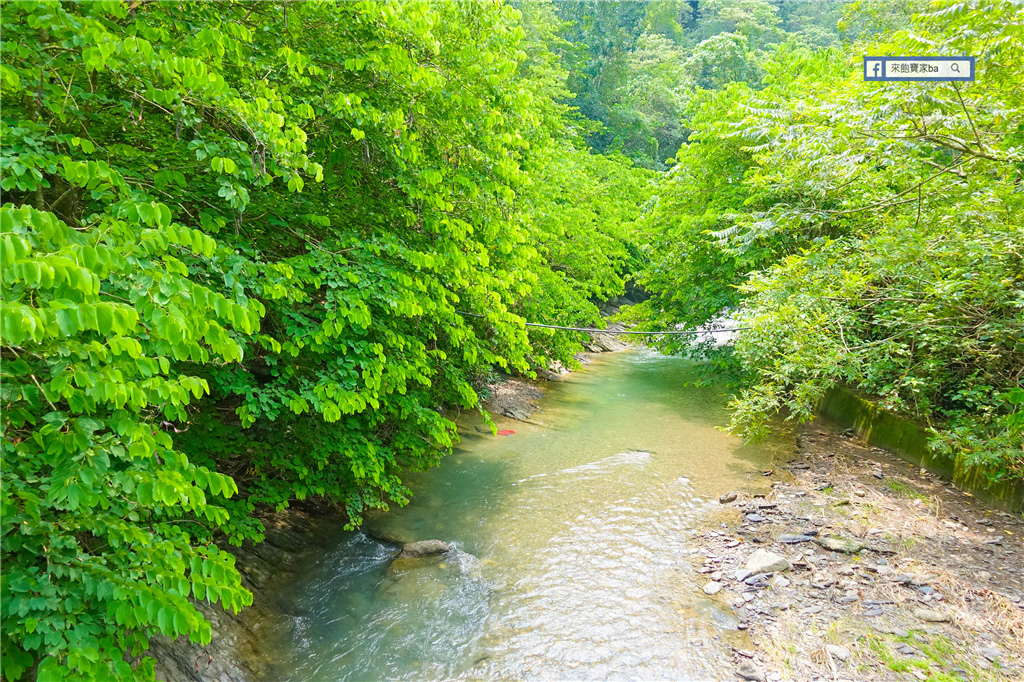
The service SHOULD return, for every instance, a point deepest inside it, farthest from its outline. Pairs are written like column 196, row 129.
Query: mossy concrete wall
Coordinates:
column 909, row 441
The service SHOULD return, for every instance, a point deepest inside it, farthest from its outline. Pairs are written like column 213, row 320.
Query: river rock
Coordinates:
column 728, row 497
column 520, row 412
column 839, row 544
column 840, row 652
column 930, row 616
column 989, row 653
column 712, row 587
column 422, row 548
column 749, row 671
column 763, row 561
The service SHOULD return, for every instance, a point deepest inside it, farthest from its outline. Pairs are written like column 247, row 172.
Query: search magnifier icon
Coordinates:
column 955, row 67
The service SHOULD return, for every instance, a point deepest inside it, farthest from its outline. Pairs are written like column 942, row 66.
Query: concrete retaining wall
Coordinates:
column 909, row 441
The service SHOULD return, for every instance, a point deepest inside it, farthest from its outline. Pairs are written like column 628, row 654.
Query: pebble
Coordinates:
column 926, row 589
column 840, row 545
column 755, row 518
column 874, row 611
column 848, row 600
column 840, row 652
column 906, row 650
column 749, row 671
column 712, row 588
column 728, row 497
column 989, row 653
column 929, row 616
column 780, row 581
column 794, row 539
column 811, row 610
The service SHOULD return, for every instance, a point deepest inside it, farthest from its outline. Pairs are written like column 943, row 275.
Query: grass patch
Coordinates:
column 900, row 488
column 903, row 542
column 939, row 652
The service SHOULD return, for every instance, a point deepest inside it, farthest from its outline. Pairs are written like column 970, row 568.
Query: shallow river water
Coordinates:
column 572, row 536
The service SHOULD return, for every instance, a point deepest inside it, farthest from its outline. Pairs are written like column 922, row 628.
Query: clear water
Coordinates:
column 572, row 536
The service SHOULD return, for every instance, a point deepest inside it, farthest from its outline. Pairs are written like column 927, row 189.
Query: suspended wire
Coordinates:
column 624, row 331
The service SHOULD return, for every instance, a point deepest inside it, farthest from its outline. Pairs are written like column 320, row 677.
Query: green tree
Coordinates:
column 248, row 251
column 868, row 233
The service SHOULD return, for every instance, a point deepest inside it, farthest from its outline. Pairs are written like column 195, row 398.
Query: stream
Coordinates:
column 573, row 558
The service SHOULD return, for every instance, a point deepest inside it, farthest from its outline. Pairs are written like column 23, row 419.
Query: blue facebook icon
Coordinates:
column 874, row 69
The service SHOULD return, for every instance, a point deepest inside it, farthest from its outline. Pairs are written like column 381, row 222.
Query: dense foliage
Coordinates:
column 249, row 250
column 634, row 66
column 870, row 234
column 252, row 251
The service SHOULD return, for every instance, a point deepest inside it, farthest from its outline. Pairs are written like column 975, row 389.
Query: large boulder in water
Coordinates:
column 422, row 548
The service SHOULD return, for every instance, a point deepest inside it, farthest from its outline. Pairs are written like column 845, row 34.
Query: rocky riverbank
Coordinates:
column 869, row 569
column 515, row 397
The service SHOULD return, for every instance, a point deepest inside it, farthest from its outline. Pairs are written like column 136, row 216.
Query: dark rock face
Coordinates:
column 415, row 550
column 223, row 659
column 236, row 652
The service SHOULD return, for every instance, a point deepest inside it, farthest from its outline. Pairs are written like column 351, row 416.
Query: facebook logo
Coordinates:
column 919, row 68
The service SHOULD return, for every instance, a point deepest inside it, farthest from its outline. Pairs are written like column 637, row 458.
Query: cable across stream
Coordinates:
column 624, row 331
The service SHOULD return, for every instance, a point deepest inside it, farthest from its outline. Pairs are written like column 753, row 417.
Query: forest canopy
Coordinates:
column 255, row 253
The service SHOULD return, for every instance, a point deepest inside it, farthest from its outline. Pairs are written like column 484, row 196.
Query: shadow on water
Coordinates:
column 572, row 545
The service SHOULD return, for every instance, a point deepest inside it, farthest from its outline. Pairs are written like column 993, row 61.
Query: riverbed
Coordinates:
column 572, row 535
